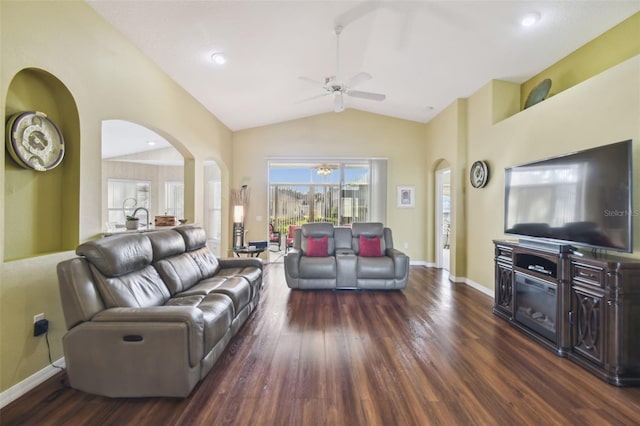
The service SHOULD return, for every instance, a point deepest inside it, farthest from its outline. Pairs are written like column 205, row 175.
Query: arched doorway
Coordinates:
column 141, row 172
column 443, row 217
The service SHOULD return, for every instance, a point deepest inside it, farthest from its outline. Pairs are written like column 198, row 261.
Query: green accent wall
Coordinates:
column 41, row 208
column 613, row 47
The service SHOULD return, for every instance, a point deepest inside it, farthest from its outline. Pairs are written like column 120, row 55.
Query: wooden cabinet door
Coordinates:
column 504, row 288
column 588, row 324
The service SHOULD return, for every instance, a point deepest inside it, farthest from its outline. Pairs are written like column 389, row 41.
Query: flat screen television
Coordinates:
column 582, row 198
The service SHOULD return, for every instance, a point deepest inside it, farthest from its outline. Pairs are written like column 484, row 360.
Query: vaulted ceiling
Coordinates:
column 422, row 54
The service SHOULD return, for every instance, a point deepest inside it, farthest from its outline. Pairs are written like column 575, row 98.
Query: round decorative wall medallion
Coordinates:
column 479, row 174
column 34, row 141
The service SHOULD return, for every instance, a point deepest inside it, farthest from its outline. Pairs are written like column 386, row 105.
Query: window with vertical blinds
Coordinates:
column 338, row 191
column 174, row 199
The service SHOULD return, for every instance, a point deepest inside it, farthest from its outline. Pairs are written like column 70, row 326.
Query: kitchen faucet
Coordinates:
column 146, row 224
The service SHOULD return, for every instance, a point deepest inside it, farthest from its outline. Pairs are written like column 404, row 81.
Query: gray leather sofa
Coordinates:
column 148, row 314
column 345, row 266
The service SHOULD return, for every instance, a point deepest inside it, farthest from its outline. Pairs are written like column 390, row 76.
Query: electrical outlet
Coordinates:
column 405, row 245
column 40, row 327
column 38, row 317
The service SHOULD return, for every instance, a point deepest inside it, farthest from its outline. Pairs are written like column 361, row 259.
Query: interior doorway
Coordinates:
column 443, row 218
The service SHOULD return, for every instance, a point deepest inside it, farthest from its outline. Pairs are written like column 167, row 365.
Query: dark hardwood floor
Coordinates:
column 431, row 354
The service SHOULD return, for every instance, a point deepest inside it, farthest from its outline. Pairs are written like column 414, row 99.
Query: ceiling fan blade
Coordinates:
column 312, row 81
column 313, row 97
column 367, row 95
column 338, row 102
column 359, row 78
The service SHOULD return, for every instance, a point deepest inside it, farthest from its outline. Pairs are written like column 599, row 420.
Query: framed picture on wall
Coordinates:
column 406, row 197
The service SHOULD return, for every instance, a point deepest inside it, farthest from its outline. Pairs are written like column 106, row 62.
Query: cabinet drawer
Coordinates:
column 503, row 254
column 587, row 274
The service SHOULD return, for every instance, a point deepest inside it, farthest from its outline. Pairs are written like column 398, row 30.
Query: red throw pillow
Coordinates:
column 370, row 247
column 318, row 247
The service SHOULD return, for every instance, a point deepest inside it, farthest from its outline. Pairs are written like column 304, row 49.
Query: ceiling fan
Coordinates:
column 333, row 86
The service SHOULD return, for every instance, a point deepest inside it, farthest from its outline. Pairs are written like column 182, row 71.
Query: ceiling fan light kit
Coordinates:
column 333, row 86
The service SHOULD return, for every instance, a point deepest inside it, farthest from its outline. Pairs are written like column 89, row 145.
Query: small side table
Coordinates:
column 249, row 252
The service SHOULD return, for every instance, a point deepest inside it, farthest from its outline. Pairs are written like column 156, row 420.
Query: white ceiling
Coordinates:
column 121, row 138
column 421, row 54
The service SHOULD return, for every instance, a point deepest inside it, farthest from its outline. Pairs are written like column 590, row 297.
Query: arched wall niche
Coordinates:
column 42, row 208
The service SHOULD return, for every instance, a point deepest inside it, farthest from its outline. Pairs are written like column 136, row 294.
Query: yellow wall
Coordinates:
column 349, row 134
column 446, row 142
column 602, row 110
column 108, row 79
column 614, row 46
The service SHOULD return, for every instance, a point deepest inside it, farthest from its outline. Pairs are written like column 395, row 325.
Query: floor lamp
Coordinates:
column 238, row 226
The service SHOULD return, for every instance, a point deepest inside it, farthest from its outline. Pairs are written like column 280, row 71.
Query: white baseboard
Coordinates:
column 464, row 280
column 421, row 263
column 19, row 389
column 482, row 289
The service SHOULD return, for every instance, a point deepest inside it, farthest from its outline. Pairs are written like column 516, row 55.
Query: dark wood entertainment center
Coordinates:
column 596, row 318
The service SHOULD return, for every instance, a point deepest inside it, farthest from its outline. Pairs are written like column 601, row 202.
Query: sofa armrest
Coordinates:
column 400, row 262
column 292, row 263
column 233, row 262
column 189, row 316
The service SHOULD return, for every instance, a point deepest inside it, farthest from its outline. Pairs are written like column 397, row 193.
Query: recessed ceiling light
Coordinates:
column 530, row 19
column 151, row 143
column 219, row 58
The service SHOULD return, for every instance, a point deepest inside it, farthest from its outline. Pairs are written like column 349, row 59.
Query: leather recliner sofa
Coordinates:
column 345, row 264
column 148, row 314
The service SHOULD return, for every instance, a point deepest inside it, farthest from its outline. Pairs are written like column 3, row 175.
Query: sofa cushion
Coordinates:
column 252, row 274
column 318, row 267
column 375, row 267
column 179, row 272
column 217, row 312
column 138, row 289
column 342, row 236
column 206, row 262
column 166, row 243
column 316, row 230
column 318, row 247
column 370, row 247
column 119, row 254
column 236, row 288
column 367, row 229
column 194, row 236
column 185, row 301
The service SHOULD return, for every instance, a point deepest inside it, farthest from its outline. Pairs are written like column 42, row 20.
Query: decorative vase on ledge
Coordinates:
column 132, row 223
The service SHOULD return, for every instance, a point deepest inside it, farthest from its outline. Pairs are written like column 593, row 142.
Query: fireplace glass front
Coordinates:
column 536, row 305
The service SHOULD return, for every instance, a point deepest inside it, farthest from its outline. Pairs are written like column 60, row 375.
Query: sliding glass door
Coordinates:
column 339, row 192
